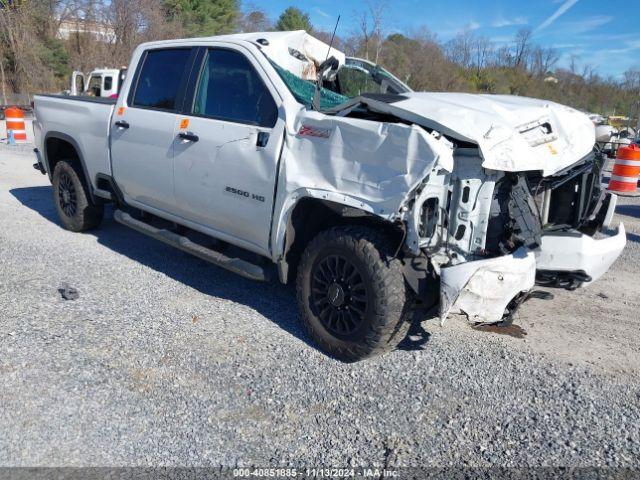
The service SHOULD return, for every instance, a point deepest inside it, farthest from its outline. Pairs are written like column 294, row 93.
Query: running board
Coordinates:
column 243, row 268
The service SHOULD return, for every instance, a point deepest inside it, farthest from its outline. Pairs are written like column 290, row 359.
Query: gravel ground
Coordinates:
column 165, row 360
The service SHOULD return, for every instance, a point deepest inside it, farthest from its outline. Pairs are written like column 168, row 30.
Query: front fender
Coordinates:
column 289, row 203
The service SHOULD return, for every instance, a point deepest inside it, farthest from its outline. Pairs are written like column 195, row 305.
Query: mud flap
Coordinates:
column 482, row 289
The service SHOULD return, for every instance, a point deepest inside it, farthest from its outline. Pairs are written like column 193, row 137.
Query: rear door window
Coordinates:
column 161, row 77
column 231, row 89
column 95, row 84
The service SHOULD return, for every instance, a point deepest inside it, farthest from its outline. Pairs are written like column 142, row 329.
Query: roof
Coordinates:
column 296, row 51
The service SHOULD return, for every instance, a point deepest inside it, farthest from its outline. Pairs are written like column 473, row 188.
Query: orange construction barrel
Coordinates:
column 626, row 170
column 15, row 123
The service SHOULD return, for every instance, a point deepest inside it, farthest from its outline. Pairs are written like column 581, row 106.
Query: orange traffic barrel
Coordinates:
column 626, row 170
column 15, row 123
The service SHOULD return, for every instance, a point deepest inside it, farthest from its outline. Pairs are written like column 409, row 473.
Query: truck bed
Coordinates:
column 82, row 121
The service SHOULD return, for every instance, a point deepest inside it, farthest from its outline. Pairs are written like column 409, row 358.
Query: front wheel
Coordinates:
column 351, row 293
column 74, row 206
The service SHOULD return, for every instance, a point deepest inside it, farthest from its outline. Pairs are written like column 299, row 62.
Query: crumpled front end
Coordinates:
column 485, row 289
column 491, row 236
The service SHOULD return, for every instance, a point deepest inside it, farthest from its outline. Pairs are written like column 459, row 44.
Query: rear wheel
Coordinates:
column 74, row 206
column 352, row 293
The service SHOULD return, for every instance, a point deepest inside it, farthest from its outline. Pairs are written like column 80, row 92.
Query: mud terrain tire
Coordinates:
column 352, row 294
column 74, row 206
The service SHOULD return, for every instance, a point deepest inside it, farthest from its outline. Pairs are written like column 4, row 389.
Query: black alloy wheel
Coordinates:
column 67, row 195
column 352, row 292
column 76, row 209
column 339, row 295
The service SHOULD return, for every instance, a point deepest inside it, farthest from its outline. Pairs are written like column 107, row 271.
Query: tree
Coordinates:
column 23, row 43
column 419, row 61
column 522, row 48
column 370, row 28
column 204, row 17
column 255, row 20
column 294, row 19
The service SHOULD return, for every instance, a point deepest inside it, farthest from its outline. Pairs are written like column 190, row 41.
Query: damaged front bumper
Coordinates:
column 483, row 289
column 572, row 259
column 488, row 290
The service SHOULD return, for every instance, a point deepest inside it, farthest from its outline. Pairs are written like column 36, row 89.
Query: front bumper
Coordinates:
column 572, row 251
column 484, row 289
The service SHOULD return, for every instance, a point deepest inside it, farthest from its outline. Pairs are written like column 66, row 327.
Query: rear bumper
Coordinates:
column 575, row 252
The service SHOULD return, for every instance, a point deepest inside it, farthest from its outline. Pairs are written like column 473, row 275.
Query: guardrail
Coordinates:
column 15, row 99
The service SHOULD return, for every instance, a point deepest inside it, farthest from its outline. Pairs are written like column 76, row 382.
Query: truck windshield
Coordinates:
column 304, row 90
column 356, row 77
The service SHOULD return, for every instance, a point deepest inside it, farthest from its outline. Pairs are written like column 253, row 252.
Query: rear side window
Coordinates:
column 160, row 78
column 231, row 89
column 108, row 83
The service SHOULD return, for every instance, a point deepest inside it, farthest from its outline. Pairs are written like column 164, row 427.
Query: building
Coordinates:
column 71, row 27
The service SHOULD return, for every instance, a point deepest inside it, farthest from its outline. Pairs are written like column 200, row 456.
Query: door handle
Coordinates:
column 263, row 139
column 122, row 124
column 189, row 136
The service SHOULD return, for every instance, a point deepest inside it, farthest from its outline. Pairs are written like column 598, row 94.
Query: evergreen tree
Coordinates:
column 204, row 17
column 294, row 19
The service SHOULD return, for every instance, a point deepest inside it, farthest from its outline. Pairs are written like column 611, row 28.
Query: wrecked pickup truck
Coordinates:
column 272, row 153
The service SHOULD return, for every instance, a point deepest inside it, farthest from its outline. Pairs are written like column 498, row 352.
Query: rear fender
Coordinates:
column 79, row 156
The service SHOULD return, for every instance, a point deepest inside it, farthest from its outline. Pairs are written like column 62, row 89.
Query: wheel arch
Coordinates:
column 60, row 146
column 296, row 231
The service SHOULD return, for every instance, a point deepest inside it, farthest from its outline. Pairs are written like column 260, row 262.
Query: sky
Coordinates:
column 604, row 34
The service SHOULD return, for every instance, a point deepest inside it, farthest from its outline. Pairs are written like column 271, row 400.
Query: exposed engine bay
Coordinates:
column 490, row 236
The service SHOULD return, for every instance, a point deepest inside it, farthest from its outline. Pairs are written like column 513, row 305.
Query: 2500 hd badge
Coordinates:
column 244, row 193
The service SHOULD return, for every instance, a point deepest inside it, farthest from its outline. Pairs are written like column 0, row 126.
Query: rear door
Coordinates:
column 142, row 130
column 225, row 163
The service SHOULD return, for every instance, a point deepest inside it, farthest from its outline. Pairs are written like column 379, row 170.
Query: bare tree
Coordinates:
column 370, row 25
column 521, row 48
column 3, row 79
column 255, row 19
column 460, row 49
column 21, row 45
column 632, row 82
column 543, row 60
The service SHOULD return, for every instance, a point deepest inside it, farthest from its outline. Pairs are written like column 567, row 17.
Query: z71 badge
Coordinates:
column 308, row 131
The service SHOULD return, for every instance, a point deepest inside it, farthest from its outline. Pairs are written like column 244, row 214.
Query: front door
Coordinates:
column 142, row 130
column 226, row 158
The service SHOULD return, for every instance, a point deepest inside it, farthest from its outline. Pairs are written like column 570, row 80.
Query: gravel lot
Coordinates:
column 165, row 360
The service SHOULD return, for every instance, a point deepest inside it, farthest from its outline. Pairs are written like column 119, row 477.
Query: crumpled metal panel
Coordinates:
column 377, row 163
column 371, row 166
column 498, row 125
column 482, row 289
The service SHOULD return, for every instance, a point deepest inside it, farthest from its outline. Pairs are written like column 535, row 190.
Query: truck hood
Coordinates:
column 513, row 133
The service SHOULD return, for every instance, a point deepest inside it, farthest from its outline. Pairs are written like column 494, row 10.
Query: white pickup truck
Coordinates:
column 103, row 82
column 273, row 153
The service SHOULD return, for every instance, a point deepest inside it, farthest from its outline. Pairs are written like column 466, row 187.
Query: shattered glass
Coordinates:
column 304, row 90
